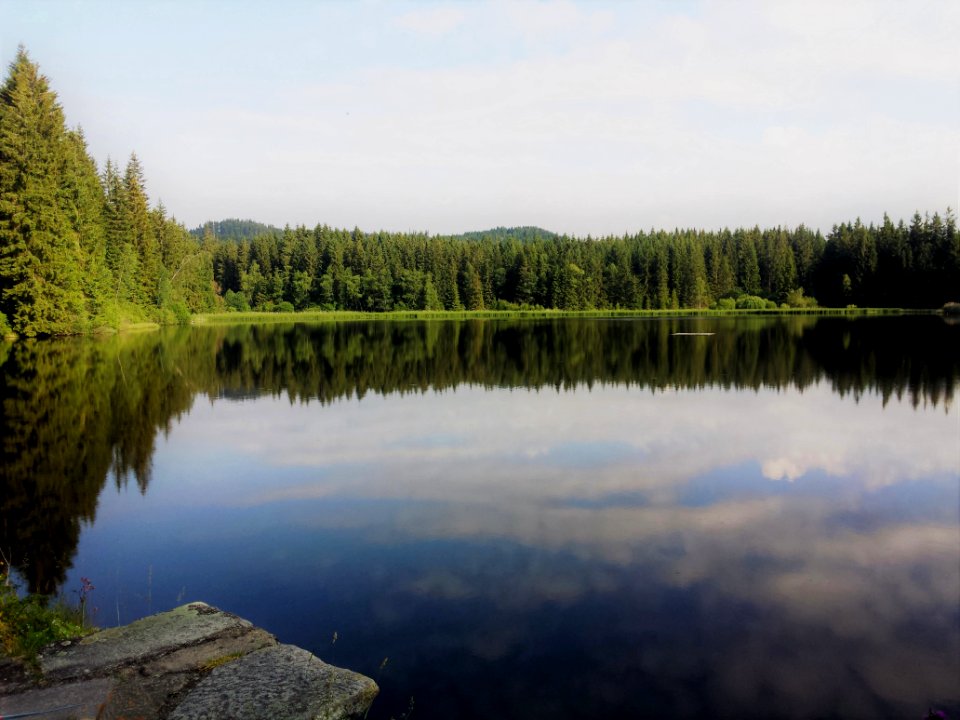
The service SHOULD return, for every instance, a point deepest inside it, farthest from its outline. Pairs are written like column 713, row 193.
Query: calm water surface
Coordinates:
column 542, row 519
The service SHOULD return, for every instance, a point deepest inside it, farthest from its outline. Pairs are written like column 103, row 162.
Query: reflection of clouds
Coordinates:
column 603, row 478
column 474, row 445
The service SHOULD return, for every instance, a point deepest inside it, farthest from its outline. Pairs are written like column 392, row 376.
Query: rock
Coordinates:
column 80, row 699
column 283, row 682
column 192, row 662
column 141, row 641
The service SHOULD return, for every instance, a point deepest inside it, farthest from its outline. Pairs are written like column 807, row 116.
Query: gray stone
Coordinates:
column 192, row 662
column 285, row 683
column 90, row 695
column 143, row 640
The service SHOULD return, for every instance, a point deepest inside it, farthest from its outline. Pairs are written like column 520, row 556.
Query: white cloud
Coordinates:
column 433, row 20
column 579, row 117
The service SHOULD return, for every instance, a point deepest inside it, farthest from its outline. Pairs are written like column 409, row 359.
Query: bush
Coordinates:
column 751, row 302
column 796, row 299
column 28, row 624
column 236, row 301
column 726, row 304
column 181, row 313
column 285, row 307
column 5, row 328
column 770, row 305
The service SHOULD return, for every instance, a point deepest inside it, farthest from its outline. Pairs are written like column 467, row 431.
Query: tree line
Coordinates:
column 80, row 248
column 334, row 269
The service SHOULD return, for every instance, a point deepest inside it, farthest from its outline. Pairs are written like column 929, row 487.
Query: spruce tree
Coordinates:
column 142, row 233
column 40, row 283
column 85, row 202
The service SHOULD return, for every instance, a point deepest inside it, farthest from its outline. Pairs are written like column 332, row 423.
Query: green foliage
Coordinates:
column 28, row 624
column 726, row 304
column 181, row 313
column 234, row 229
column 40, row 284
column 5, row 329
column 381, row 272
column 236, row 301
column 526, row 233
column 751, row 302
column 797, row 299
column 78, row 249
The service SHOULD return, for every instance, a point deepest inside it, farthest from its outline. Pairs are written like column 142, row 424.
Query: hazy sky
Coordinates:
column 580, row 117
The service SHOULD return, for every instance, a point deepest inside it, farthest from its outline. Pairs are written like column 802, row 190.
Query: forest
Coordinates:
column 83, row 248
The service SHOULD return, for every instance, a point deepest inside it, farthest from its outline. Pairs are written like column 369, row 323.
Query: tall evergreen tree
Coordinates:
column 142, row 232
column 85, row 202
column 40, row 283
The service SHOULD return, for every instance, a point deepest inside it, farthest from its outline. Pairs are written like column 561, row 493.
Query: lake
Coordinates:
column 520, row 519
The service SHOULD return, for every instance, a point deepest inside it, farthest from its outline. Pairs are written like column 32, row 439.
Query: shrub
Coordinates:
column 5, row 328
column 181, row 313
column 796, row 298
column 726, row 304
column 285, row 307
column 236, row 301
column 28, row 624
column 751, row 302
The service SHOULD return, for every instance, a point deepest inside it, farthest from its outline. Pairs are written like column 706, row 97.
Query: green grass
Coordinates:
column 318, row 316
column 30, row 623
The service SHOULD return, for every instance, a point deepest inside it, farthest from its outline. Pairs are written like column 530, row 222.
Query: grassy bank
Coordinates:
column 31, row 622
column 319, row 316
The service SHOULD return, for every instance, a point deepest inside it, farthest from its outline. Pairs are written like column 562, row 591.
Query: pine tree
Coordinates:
column 40, row 283
column 141, row 233
column 121, row 255
column 85, row 201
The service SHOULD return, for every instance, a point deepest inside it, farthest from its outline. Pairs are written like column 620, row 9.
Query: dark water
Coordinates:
column 557, row 519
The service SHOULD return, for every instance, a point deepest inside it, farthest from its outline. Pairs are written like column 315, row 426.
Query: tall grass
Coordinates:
column 322, row 316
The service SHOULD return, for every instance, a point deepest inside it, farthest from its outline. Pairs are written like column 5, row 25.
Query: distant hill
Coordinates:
column 235, row 229
column 527, row 233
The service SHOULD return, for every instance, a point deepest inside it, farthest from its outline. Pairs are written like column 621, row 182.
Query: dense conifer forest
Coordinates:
column 82, row 248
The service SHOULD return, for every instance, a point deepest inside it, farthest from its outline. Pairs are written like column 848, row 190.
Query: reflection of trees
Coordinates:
column 326, row 362
column 76, row 412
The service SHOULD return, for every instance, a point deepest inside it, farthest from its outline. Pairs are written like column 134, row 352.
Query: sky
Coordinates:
column 580, row 117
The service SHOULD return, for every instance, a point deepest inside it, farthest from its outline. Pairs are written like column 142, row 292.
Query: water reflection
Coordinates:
column 581, row 518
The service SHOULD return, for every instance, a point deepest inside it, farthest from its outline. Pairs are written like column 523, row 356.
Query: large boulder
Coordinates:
column 192, row 662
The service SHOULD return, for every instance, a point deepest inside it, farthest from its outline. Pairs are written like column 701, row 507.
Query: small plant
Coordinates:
column 86, row 587
column 29, row 623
